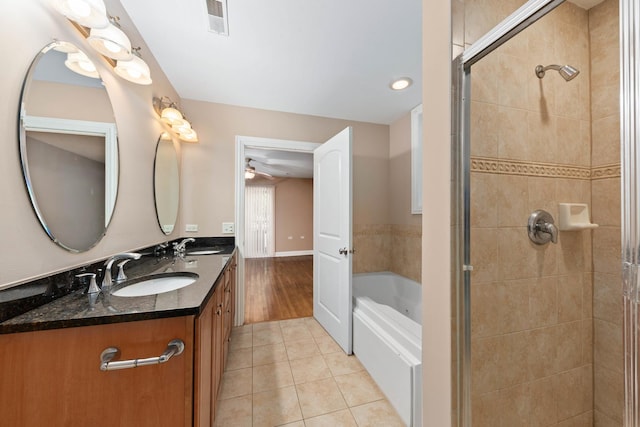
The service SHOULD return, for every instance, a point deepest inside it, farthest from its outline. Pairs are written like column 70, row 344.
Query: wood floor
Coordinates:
column 278, row 288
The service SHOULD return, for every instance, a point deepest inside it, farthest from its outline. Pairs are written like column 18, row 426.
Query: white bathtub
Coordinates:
column 387, row 338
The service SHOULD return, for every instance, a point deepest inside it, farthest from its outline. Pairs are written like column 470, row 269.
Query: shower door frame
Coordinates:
column 519, row 20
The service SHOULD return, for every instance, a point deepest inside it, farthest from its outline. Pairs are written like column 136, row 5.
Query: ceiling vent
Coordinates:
column 217, row 16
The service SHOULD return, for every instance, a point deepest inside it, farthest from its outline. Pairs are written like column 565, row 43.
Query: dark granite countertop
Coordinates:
column 79, row 309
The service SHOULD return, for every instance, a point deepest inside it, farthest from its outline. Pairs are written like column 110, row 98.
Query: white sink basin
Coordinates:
column 156, row 284
column 203, row 252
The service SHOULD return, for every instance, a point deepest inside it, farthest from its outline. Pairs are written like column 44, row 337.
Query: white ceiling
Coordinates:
column 328, row 58
column 283, row 164
column 586, row 4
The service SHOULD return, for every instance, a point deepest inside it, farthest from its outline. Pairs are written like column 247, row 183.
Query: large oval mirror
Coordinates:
column 166, row 183
column 68, row 146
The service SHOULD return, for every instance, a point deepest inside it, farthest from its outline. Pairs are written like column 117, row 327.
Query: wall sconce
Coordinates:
column 171, row 115
column 103, row 33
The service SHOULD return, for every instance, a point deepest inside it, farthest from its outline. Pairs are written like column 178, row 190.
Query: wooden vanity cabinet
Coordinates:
column 212, row 341
column 52, row 378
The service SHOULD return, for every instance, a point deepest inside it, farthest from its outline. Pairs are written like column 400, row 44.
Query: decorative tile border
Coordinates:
column 548, row 170
column 606, row 171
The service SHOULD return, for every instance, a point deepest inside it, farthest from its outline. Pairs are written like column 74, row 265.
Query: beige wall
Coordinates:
column 436, row 258
column 208, row 181
column 405, row 231
column 294, row 215
column 605, row 195
column 134, row 224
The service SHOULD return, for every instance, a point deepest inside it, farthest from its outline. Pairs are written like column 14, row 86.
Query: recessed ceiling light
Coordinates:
column 401, row 83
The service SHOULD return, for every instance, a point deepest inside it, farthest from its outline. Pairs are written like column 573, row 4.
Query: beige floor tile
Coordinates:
column 341, row 364
column 358, row 388
column 276, row 407
column 341, row 418
column 287, row 323
column 241, row 341
column 244, row 329
column 294, row 424
column 240, row 358
column 320, row 397
column 269, row 377
column 379, row 413
column 271, row 353
column 297, row 332
column 301, row 349
column 266, row 325
column 267, row 336
column 236, row 412
column 309, row 369
column 236, row 383
column 316, row 329
column 327, row 345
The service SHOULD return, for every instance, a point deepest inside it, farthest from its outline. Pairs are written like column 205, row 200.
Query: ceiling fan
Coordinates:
column 250, row 172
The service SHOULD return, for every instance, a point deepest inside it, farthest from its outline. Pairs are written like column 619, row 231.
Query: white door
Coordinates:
column 332, row 237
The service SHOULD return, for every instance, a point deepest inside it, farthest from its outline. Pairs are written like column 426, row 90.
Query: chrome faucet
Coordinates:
column 107, row 281
column 179, row 248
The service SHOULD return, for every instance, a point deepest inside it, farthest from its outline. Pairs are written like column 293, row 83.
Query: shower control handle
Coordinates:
column 541, row 228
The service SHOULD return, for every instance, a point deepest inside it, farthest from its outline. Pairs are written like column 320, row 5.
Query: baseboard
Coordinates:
column 294, row 253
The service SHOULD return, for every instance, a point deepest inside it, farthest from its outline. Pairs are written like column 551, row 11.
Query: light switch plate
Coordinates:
column 191, row 227
column 228, row 228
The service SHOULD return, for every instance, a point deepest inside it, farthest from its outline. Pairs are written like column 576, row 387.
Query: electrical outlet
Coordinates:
column 228, row 228
column 191, row 227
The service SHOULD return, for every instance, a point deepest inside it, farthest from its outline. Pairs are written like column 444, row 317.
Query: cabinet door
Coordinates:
column 218, row 362
column 54, row 378
column 204, row 378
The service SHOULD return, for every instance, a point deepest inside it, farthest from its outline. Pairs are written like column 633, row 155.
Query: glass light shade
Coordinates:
column 88, row 13
column 172, row 116
column 249, row 174
column 183, row 127
column 189, row 136
column 79, row 63
column 135, row 70
column 111, row 42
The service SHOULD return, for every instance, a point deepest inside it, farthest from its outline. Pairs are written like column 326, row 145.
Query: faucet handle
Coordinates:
column 121, row 277
column 93, row 286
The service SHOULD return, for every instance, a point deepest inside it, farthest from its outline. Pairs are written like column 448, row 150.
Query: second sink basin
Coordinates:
column 155, row 284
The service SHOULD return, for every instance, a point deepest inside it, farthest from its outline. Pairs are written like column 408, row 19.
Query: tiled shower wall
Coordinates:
column 531, row 305
column 388, row 247
column 605, row 195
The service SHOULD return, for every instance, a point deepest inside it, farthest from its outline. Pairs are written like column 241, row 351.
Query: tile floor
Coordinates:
column 291, row 373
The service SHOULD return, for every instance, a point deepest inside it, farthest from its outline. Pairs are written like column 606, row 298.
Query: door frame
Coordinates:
column 242, row 143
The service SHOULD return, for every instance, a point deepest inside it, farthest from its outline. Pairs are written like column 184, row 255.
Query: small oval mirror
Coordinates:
column 166, row 183
column 68, row 146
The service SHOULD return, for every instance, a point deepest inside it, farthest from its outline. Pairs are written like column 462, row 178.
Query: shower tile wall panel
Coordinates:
column 605, row 194
column 532, row 310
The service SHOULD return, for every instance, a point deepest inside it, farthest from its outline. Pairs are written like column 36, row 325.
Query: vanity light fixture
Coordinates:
column 103, row 33
column 111, row 41
column 171, row 115
column 88, row 13
column 401, row 83
column 134, row 69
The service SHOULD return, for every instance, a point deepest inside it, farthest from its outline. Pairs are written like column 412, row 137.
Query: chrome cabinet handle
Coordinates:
column 174, row 348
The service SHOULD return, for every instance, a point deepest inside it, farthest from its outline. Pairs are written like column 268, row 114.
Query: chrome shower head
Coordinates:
column 566, row 71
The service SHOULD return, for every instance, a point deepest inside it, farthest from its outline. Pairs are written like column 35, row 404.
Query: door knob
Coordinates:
column 343, row 251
